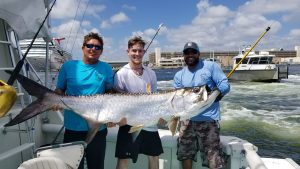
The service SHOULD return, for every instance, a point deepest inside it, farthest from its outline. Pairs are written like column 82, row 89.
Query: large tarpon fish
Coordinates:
column 141, row 110
column 8, row 96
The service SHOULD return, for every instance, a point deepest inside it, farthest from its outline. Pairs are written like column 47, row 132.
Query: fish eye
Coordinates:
column 196, row 90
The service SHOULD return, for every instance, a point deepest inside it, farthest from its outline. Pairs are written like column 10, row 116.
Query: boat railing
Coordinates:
column 283, row 71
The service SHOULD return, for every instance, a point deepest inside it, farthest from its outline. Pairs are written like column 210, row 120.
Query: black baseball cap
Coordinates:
column 191, row 45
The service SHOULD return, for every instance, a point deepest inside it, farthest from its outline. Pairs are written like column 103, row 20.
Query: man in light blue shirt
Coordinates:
column 202, row 131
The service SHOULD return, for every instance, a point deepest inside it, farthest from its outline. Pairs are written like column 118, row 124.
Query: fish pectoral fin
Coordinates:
column 135, row 128
column 135, row 135
column 93, row 129
column 135, row 131
column 173, row 124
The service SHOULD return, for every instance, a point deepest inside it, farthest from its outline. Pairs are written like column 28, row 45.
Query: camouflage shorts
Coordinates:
column 203, row 136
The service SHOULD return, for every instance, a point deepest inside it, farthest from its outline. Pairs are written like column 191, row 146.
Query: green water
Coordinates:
column 271, row 140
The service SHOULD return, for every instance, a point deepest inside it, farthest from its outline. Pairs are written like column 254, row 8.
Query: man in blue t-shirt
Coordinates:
column 88, row 76
column 202, row 131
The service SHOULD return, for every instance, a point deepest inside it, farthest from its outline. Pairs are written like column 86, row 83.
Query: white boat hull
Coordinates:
column 254, row 75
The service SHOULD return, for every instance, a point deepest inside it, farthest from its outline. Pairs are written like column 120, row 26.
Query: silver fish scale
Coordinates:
column 137, row 108
column 111, row 108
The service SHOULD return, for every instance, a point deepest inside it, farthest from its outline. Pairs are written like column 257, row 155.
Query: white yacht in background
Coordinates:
column 36, row 55
column 256, row 67
column 18, row 143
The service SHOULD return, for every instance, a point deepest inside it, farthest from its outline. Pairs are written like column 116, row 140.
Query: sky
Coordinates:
column 216, row 25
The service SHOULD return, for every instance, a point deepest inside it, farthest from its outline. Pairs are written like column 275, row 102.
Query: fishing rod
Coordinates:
column 160, row 25
column 246, row 54
column 19, row 65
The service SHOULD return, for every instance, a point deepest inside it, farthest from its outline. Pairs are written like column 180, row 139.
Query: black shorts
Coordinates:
column 147, row 143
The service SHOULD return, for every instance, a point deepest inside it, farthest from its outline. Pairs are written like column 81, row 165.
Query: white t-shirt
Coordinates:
column 127, row 81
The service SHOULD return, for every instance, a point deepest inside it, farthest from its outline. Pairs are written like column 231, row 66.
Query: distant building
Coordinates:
column 291, row 58
column 166, row 59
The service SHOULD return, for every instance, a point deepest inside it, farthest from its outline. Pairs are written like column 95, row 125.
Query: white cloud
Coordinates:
column 113, row 50
column 129, row 7
column 64, row 9
column 292, row 17
column 95, row 30
column 67, row 9
column 281, row 12
column 94, row 10
column 150, row 32
column 115, row 19
column 120, row 17
column 86, row 23
column 105, row 24
column 219, row 28
column 269, row 6
column 206, row 29
column 295, row 33
column 67, row 28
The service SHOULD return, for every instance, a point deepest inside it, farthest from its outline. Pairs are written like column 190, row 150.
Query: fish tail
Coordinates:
column 40, row 105
column 30, row 111
column 33, row 88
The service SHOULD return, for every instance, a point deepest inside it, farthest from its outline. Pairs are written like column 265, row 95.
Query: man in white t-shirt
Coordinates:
column 136, row 78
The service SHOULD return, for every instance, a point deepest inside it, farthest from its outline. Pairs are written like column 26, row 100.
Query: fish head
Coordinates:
column 8, row 96
column 187, row 99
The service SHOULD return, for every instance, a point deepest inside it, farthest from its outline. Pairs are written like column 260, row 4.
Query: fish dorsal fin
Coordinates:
column 172, row 98
column 173, row 124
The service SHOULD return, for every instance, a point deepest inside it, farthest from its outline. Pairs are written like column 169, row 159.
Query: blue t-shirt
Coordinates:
column 205, row 73
column 77, row 79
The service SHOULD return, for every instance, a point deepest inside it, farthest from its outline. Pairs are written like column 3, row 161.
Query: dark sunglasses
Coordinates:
column 97, row 47
column 187, row 52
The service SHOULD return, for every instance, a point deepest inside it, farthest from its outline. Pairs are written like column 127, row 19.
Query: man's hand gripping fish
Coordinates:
column 141, row 110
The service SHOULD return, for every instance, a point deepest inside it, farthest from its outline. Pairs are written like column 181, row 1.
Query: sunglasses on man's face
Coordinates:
column 188, row 52
column 97, row 47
